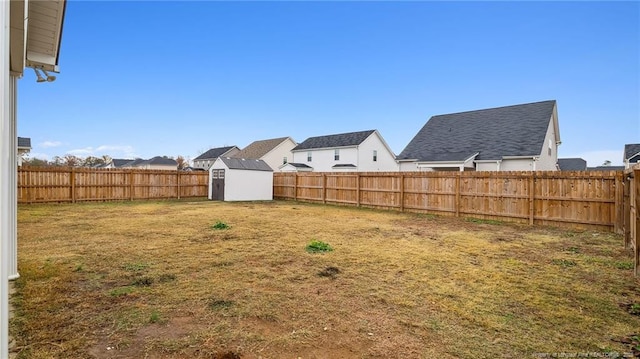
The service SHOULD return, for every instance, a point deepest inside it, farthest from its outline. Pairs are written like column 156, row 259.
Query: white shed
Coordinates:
column 239, row 179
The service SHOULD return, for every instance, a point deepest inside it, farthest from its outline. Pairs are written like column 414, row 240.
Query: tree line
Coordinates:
column 89, row 161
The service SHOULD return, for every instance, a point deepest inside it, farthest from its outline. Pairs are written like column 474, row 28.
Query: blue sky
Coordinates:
column 147, row 78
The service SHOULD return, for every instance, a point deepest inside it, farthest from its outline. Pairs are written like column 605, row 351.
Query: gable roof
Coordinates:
column 494, row 133
column 572, row 164
column 119, row 162
column 632, row 152
column 330, row 141
column 158, row 160
column 606, row 168
column 24, row 142
column 245, row 164
column 215, row 153
column 257, row 149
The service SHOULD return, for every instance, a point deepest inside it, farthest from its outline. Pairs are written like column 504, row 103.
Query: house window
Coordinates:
column 336, row 154
column 309, row 156
column 284, row 160
column 375, row 156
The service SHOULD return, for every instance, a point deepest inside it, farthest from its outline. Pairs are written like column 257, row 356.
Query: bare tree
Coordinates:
column 182, row 162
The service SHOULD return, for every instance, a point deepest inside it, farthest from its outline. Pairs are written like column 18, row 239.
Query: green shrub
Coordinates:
column 220, row 225
column 316, row 246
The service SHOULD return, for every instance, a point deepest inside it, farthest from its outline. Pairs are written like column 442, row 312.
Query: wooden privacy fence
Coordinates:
column 586, row 199
column 57, row 184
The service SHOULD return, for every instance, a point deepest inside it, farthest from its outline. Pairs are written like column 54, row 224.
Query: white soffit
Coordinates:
column 44, row 33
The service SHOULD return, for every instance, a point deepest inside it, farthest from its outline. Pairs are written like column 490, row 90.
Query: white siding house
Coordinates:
column 237, row 179
column 275, row 152
column 511, row 138
column 364, row 151
column 206, row 159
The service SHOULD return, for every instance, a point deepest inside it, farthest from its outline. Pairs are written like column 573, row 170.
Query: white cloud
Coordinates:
column 87, row 151
column 48, row 144
column 114, row 151
column 597, row 158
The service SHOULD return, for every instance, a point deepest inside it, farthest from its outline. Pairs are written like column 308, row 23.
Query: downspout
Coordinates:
column 535, row 160
column 5, row 186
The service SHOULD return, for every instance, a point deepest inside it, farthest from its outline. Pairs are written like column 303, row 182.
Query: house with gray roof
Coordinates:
column 631, row 154
column 363, row 151
column 24, row 147
column 206, row 159
column 521, row 137
column 572, row 164
column 155, row 163
column 275, row 152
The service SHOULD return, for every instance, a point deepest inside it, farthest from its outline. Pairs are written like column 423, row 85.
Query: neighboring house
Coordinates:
column 155, row 163
column 275, row 152
column 24, row 146
column 511, row 138
column 239, row 179
column 572, row 164
column 159, row 163
column 364, row 151
column 206, row 159
column 295, row 167
column 117, row 163
column 631, row 154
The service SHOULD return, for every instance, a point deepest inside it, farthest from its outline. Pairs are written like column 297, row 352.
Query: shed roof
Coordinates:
column 331, row 141
column 494, row 133
column 245, row 164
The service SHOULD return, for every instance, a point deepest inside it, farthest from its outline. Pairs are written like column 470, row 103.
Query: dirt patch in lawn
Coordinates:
column 158, row 280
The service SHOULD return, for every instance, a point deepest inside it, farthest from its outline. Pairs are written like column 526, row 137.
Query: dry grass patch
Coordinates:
column 159, row 280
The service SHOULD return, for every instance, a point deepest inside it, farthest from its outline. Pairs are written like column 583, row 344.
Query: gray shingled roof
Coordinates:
column 331, row 141
column 631, row 151
column 257, row 149
column 214, row 153
column 517, row 130
column 298, row 165
column 344, row 165
column 246, row 164
column 572, row 164
column 118, row 162
column 24, row 142
column 158, row 160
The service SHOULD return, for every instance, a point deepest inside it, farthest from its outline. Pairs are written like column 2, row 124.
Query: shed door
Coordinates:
column 217, row 185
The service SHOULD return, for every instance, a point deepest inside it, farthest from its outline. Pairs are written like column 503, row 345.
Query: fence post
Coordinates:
column 458, row 175
column 636, row 235
column 295, row 186
column 324, row 188
column 401, row 192
column 73, row 184
column 178, row 179
column 618, row 224
column 131, row 184
column 627, row 209
column 358, row 189
column 532, row 197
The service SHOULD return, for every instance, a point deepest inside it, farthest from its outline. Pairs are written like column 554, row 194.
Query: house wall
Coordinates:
column 323, row 159
column 386, row 160
column 520, row 164
column 407, row 166
column 548, row 161
column 274, row 157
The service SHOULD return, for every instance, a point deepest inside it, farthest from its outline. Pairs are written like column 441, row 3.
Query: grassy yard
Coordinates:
column 217, row 280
